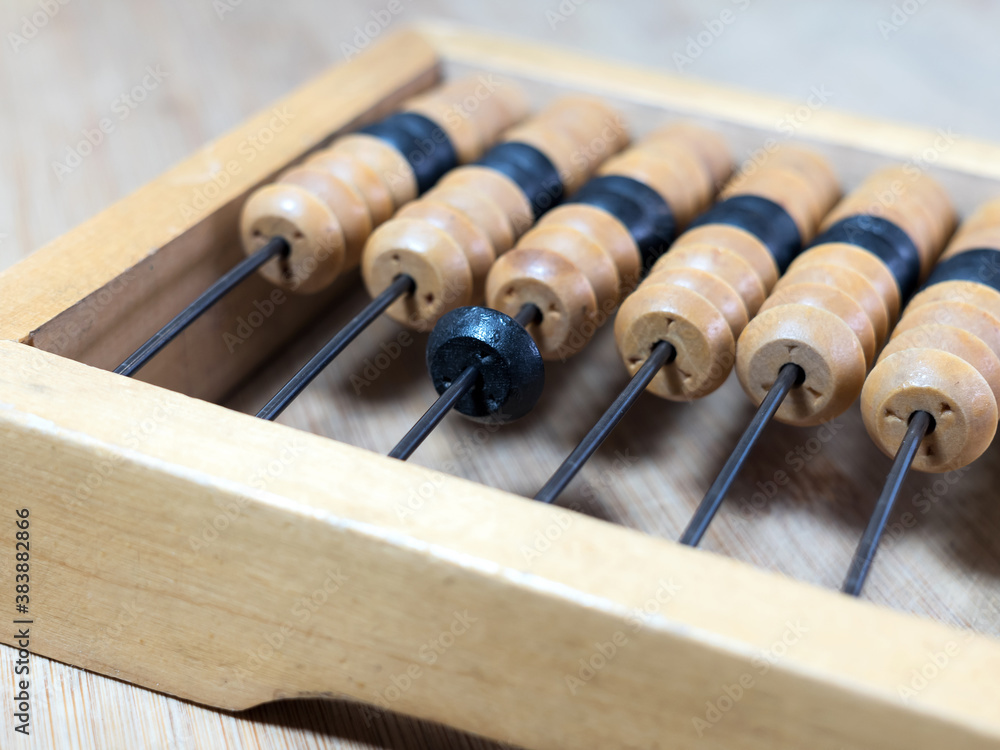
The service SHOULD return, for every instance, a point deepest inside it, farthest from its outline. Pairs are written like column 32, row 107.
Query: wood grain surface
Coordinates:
column 201, row 68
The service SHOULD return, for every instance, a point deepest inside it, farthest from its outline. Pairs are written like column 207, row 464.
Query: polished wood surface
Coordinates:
column 941, row 562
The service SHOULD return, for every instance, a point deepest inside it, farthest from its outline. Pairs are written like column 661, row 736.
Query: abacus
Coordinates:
column 266, row 562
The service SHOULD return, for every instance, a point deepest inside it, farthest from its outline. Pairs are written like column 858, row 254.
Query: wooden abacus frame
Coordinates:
column 146, row 495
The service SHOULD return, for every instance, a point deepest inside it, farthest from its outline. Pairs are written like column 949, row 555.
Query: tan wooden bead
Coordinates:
column 975, row 294
column 484, row 212
column 560, row 148
column 363, row 178
column 947, row 387
column 390, row 165
column 500, row 188
column 840, row 302
column 740, row 241
column 709, row 146
column 953, row 340
column 490, row 106
column 560, row 290
column 726, row 299
column 606, row 231
column 470, row 237
column 815, row 169
column 816, row 339
column 584, row 253
column 308, row 225
column 696, row 328
column 728, row 265
column 855, row 258
column 850, row 281
column 987, row 214
column 345, row 202
column 963, row 315
column 431, row 256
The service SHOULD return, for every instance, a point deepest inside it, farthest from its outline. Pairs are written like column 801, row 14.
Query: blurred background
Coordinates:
column 205, row 66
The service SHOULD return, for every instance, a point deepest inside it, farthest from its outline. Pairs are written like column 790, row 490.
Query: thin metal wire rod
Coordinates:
column 433, row 416
column 451, row 396
column 663, row 353
column 400, row 286
column 187, row 316
column 789, row 376
column 864, row 555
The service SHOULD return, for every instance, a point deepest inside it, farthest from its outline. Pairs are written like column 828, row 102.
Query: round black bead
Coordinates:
column 511, row 371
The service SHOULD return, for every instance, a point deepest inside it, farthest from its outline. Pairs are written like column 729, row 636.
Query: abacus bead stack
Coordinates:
column 433, row 255
column 570, row 272
column 700, row 295
column 307, row 228
column 831, row 311
column 804, row 357
column 448, row 241
column 582, row 258
column 932, row 397
column 724, row 265
column 327, row 207
column 944, row 356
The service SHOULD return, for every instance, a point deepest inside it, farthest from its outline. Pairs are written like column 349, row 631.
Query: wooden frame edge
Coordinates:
column 447, row 600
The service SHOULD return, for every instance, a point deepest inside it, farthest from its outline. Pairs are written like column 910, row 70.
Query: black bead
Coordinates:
column 511, row 371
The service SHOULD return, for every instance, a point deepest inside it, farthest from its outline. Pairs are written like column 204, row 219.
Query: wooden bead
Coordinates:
column 974, row 239
column 741, row 242
column 841, row 302
column 465, row 137
column 308, row 225
column 978, row 295
column 607, row 232
column 694, row 326
column 726, row 299
column 947, row 387
column 363, row 178
column 855, row 258
column 490, row 106
column 812, row 167
column 559, row 289
column 680, row 178
column 850, row 281
column 470, row 237
column 431, row 256
column 343, row 200
column 790, row 191
column 500, row 188
column 585, row 254
column 954, row 313
column 498, row 210
column 390, row 165
column 727, row 265
column 709, row 146
column 817, row 340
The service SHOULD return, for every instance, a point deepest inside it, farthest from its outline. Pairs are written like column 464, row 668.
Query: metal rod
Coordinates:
column 142, row 355
column 400, row 286
column 451, row 396
column 662, row 354
column 920, row 423
column 433, row 416
column 789, row 376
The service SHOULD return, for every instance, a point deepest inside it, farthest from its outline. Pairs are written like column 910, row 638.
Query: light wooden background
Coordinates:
column 225, row 60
